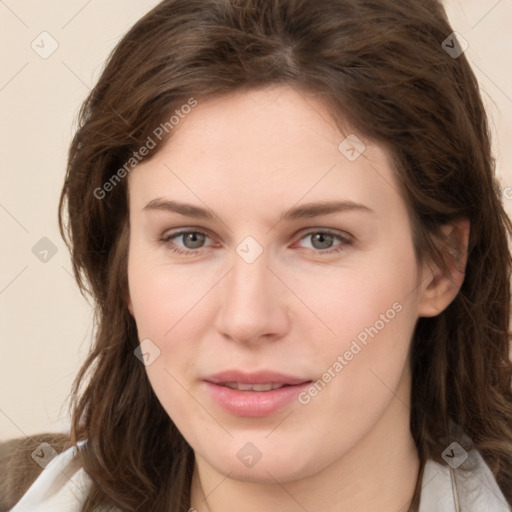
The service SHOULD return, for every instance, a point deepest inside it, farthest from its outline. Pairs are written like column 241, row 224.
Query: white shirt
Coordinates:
column 63, row 486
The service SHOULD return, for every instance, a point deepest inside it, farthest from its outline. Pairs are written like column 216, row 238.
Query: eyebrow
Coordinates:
column 304, row 211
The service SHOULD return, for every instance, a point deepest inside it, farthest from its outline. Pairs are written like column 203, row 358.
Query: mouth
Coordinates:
column 253, row 387
column 240, row 380
column 254, row 394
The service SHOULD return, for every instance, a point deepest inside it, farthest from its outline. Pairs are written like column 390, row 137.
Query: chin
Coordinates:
column 274, row 464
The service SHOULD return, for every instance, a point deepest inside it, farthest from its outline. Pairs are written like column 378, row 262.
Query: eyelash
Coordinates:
column 166, row 240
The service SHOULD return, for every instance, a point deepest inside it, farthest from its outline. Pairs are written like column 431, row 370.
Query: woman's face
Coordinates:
column 265, row 251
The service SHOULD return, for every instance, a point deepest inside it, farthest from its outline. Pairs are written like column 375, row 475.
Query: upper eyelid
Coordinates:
column 182, row 231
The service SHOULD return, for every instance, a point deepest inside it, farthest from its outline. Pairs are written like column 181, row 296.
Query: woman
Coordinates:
column 287, row 215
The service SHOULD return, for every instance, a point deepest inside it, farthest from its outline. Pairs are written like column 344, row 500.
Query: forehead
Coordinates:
column 262, row 150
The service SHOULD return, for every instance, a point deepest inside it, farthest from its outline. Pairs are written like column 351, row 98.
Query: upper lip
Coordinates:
column 261, row 377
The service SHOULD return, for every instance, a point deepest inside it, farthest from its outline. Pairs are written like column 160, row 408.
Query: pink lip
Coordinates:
column 254, row 403
column 261, row 377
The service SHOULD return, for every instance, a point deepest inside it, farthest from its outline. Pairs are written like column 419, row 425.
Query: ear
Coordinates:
column 439, row 286
column 129, row 304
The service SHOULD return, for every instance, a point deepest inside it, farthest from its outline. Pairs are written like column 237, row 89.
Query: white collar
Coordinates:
column 469, row 487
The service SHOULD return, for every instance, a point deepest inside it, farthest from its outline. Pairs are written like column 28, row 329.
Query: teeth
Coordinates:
column 252, row 387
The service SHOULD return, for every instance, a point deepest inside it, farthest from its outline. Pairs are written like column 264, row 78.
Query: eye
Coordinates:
column 322, row 241
column 192, row 241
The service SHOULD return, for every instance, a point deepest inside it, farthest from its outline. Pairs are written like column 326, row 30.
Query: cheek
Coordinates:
column 371, row 313
column 375, row 295
column 170, row 305
column 164, row 302
column 163, row 297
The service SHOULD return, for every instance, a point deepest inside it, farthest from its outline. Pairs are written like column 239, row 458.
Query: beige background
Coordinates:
column 45, row 324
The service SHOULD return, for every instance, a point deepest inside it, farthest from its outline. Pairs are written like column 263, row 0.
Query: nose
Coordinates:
column 253, row 304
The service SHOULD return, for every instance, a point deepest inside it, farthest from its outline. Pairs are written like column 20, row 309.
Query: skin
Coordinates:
column 249, row 157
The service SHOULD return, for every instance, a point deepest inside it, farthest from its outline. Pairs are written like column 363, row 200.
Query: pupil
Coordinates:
column 196, row 240
column 324, row 239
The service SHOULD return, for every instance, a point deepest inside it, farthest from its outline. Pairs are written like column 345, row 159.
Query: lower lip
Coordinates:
column 254, row 404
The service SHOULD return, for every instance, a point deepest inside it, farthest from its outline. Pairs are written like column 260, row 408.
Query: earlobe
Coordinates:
column 439, row 286
column 130, row 305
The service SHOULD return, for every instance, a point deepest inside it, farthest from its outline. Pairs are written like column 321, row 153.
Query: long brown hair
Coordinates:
column 382, row 66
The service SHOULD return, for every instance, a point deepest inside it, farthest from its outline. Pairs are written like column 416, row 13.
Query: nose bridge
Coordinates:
column 250, row 303
column 248, row 283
